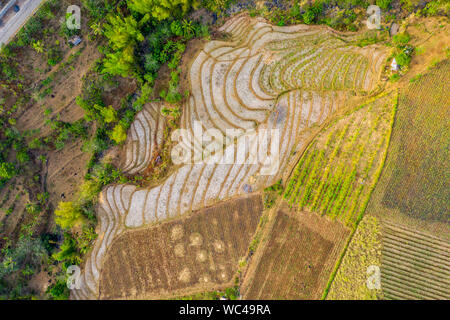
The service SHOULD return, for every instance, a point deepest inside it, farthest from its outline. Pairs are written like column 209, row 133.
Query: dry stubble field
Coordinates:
column 198, row 253
column 298, row 258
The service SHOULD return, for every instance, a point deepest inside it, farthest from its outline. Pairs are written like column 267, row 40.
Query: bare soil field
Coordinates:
column 198, row 253
column 52, row 88
column 298, row 258
column 431, row 38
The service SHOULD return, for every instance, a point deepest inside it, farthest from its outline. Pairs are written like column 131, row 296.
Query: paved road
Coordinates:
column 14, row 23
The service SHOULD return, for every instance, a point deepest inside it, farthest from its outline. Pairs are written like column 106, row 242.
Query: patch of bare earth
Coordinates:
column 194, row 254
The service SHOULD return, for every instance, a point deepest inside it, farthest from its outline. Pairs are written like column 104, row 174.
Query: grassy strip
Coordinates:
column 380, row 168
column 377, row 176
column 338, row 263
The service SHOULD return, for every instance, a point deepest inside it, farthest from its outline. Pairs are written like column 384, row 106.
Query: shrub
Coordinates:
column 22, row 156
column 27, row 251
column 383, row 4
column 401, row 39
column 118, row 134
column 98, row 8
column 54, row 56
column 437, row 7
column 36, row 143
column 7, row 170
column 68, row 251
column 58, row 291
column 68, row 215
column 403, row 59
column 308, row 16
column 176, row 28
column 109, row 114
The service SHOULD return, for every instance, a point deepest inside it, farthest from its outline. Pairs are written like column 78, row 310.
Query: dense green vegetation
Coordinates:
column 336, row 175
column 139, row 43
column 345, row 14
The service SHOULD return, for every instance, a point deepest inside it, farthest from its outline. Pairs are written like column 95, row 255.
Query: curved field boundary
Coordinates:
column 198, row 253
column 225, row 80
column 234, row 85
column 363, row 251
column 336, row 174
column 144, row 138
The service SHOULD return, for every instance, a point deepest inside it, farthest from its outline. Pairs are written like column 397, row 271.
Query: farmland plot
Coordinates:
column 299, row 257
column 364, row 251
column 338, row 171
column 198, row 253
column 237, row 84
column 145, row 137
column 415, row 265
column 414, row 188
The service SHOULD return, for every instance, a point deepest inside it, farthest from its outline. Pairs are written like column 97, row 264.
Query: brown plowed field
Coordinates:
column 299, row 257
column 198, row 253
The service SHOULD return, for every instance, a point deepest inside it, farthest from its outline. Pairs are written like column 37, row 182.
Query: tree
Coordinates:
column 22, row 156
column 120, row 62
column 123, row 32
column 109, row 114
column 312, row 12
column 68, row 250
column 162, row 9
column 68, row 215
column 119, row 134
column 38, row 46
column 383, row 4
column 7, row 170
column 59, row 291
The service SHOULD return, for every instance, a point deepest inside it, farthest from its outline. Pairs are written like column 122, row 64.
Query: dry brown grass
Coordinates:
column 298, row 258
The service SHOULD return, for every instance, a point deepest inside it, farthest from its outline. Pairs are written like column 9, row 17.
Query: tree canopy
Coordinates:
column 162, row 9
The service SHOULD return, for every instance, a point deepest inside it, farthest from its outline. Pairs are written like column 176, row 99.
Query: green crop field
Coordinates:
column 416, row 179
column 336, row 174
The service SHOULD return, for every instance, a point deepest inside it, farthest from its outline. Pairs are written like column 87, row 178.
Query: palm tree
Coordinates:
column 38, row 46
column 97, row 28
column 188, row 28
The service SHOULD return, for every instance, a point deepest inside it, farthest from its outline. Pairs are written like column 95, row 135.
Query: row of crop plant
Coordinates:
column 335, row 175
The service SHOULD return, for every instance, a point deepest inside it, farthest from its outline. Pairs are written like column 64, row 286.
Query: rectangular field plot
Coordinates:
column 197, row 253
column 415, row 265
column 415, row 180
column 337, row 173
column 299, row 257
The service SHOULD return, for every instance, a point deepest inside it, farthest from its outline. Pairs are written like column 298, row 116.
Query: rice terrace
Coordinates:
column 232, row 150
